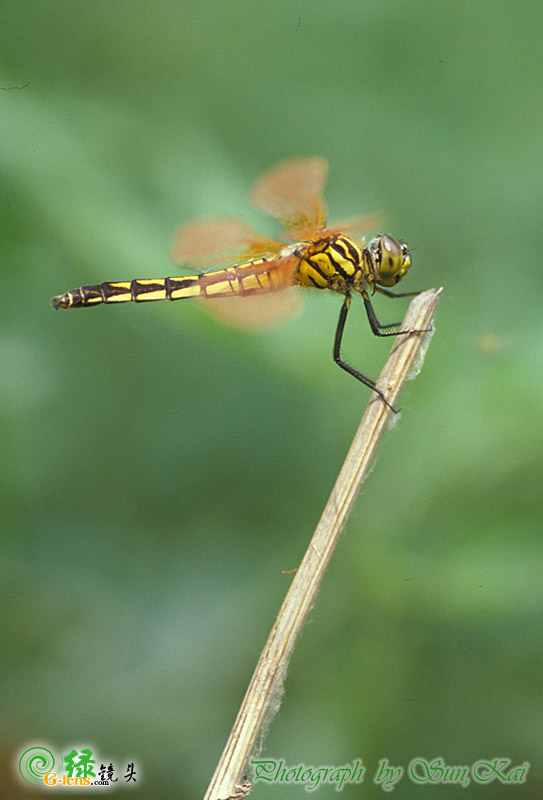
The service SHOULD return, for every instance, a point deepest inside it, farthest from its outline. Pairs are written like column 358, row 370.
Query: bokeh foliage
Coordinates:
column 161, row 470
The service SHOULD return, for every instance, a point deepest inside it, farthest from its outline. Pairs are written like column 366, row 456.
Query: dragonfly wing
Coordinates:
column 356, row 227
column 256, row 312
column 291, row 191
column 220, row 242
column 262, row 300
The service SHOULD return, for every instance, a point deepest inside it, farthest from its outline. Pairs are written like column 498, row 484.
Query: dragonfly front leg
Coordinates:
column 380, row 330
column 343, row 364
column 388, row 293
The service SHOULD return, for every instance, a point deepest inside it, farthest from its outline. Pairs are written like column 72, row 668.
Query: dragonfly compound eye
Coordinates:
column 391, row 259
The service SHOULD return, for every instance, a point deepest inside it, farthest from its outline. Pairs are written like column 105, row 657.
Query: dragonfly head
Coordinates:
column 391, row 259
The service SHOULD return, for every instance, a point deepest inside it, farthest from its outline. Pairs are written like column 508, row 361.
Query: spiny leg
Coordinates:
column 343, row 364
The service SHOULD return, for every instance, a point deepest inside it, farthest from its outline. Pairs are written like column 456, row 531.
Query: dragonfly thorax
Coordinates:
column 335, row 262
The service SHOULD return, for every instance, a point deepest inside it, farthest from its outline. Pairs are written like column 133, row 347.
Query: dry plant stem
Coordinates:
column 264, row 693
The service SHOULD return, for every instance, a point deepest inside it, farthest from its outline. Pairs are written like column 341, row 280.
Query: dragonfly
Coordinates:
column 241, row 263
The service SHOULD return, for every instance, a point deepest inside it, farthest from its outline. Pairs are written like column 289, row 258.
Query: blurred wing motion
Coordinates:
column 220, row 242
column 255, row 312
column 227, row 241
column 357, row 227
column 291, row 191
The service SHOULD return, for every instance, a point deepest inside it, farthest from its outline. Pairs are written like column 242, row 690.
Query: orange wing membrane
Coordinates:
column 242, row 264
column 291, row 191
column 223, row 241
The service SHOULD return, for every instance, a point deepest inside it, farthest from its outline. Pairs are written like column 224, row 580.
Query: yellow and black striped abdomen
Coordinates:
column 255, row 277
column 335, row 263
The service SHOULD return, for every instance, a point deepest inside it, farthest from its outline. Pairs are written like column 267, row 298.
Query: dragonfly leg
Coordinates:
column 343, row 364
column 388, row 293
column 377, row 328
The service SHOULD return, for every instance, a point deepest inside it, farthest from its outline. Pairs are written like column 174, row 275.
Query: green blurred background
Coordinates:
column 161, row 470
